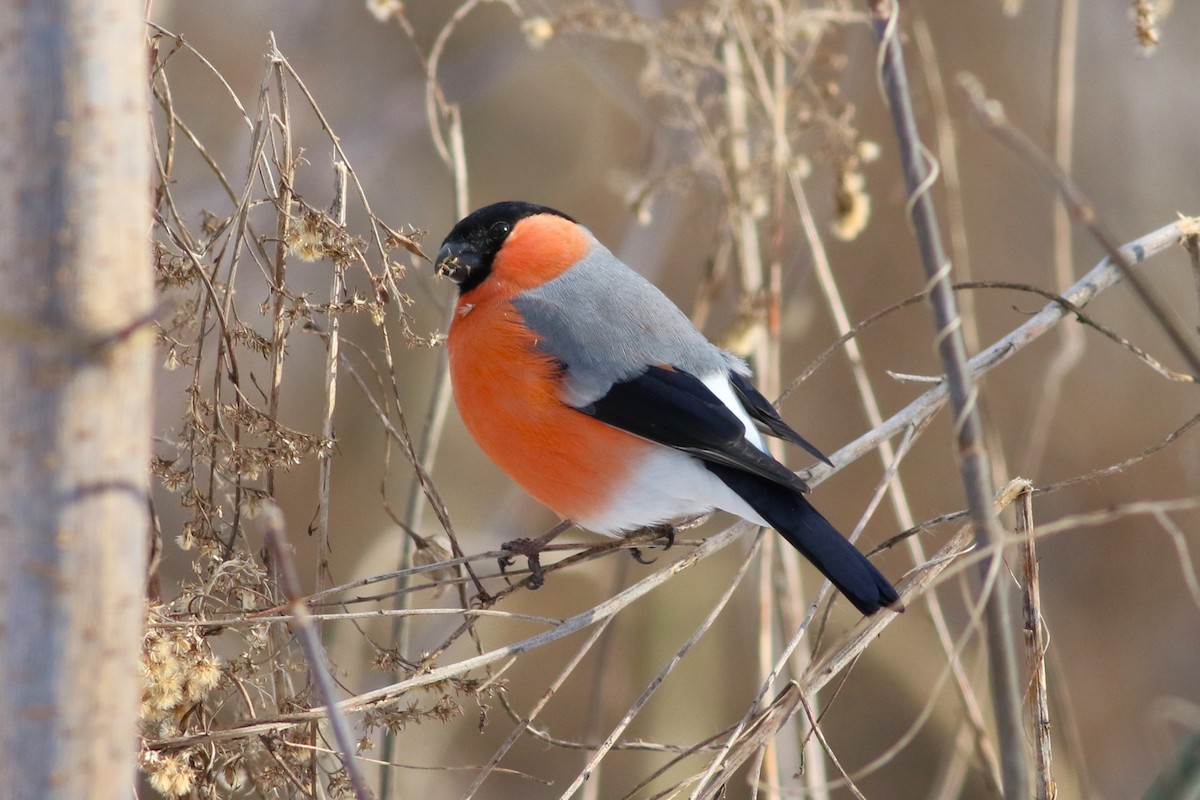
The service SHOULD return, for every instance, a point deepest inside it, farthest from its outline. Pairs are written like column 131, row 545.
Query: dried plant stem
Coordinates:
column 400, row 435
column 431, row 438
column 735, row 751
column 452, row 151
column 454, row 154
column 224, row 305
column 947, row 149
column 976, row 470
column 283, row 216
column 248, row 620
column 310, row 642
column 393, row 692
column 1185, row 557
column 956, row 765
column 1071, row 338
column 750, row 256
column 760, row 347
column 991, row 114
column 1035, row 650
column 1101, row 277
column 673, row 662
column 840, row 657
column 887, row 456
column 820, row 737
column 1191, row 243
column 524, row 723
column 600, row 686
column 750, row 738
column 332, row 344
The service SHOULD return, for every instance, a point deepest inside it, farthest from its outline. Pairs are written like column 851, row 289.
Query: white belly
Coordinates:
column 667, row 485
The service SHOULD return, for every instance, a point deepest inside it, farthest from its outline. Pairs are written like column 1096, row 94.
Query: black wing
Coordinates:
column 676, row 409
column 767, row 419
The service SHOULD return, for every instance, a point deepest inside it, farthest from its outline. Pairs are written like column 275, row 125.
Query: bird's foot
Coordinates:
column 532, row 550
column 665, row 531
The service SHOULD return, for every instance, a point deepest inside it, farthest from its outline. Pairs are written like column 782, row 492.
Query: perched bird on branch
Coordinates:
column 595, row 393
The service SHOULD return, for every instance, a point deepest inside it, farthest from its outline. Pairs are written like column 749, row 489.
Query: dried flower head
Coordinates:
column 178, row 670
column 170, row 775
column 385, row 10
column 538, row 31
column 853, row 205
column 436, row 551
column 1145, row 25
column 306, row 238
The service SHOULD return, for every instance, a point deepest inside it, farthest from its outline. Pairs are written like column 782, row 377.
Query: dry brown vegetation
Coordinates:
column 744, row 151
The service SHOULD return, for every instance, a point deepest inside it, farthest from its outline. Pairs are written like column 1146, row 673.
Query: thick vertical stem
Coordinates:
column 972, row 454
column 75, row 295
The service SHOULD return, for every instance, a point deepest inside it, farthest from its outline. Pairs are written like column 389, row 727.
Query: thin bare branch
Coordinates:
column 306, row 632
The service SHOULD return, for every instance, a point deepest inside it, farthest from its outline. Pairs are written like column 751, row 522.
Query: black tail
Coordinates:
column 817, row 540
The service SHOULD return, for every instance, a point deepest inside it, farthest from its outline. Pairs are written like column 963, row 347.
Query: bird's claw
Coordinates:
column 636, row 552
column 665, row 531
column 531, row 549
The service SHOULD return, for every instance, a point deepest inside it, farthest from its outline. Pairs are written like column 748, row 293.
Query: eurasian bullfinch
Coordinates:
column 596, row 394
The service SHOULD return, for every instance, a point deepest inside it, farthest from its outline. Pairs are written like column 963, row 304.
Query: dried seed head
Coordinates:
column 538, row 31
column 306, row 239
column 385, row 10
column 853, row 206
column 169, row 775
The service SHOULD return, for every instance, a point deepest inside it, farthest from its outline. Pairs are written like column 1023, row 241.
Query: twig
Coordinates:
column 1185, row 557
column 454, row 155
column 1087, row 321
column 276, row 540
column 1101, row 277
column 956, row 762
column 452, row 152
column 1191, row 243
column 974, row 464
column 280, row 325
column 393, row 692
column 1088, row 477
column 992, row 115
column 332, row 342
column 946, row 139
column 245, row 620
column 920, row 580
column 1070, row 349
column 1035, row 650
column 816, row 729
column 400, row 434
column 753, row 735
column 887, row 456
column 657, row 680
column 524, row 723
column 758, row 341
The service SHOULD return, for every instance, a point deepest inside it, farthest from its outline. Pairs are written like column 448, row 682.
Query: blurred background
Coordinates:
column 615, row 112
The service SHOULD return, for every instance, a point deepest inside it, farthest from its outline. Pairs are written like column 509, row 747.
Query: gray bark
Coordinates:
column 75, row 403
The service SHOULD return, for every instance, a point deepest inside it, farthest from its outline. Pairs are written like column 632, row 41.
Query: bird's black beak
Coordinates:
column 456, row 261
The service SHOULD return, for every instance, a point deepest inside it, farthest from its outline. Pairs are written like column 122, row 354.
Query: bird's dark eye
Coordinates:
column 500, row 230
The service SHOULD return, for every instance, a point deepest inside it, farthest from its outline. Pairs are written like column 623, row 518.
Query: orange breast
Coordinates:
column 507, row 394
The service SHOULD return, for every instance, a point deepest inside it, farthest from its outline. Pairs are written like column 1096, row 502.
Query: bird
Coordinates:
column 595, row 393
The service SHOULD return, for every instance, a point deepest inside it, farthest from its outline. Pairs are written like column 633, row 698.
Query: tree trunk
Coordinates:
column 75, row 403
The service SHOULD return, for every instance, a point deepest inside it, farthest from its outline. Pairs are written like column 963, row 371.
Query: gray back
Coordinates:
column 607, row 323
